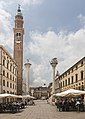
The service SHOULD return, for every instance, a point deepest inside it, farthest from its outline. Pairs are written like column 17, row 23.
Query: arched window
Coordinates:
column 18, row 34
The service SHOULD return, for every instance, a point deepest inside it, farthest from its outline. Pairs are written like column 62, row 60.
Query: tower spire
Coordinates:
column 19, row 10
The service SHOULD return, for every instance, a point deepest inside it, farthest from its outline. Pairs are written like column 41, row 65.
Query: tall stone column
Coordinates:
column 27, row 66
column 53, row 64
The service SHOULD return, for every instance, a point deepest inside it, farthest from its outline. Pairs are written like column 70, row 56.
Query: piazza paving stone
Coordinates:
column 42, row 110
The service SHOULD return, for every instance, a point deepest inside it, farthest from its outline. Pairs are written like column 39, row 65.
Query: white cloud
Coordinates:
column 6, row 26
column 6, row 33
column 35, row 2
column 67, row 47
column 31, row 2
column 82, row 19
column 4, row 4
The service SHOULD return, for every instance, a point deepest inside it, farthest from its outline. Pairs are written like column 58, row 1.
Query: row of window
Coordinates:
column 10, row 85
column 80, row 87
column 71, row 80
column 8, row 92
column 10, row 67
column 9, row 76
column 76, row 67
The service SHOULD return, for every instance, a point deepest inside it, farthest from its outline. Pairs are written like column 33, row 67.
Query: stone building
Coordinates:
column 50, row 89
column 39, row 92
column 8, row 72
column 18, row 47
column 74, row 77
column 57, row 88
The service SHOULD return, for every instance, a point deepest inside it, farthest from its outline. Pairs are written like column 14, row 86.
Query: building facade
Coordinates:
column 73, row 78
column 8, row 72
column 18, row 48
column 50, row 89
column 39, row 92
column 57, row 87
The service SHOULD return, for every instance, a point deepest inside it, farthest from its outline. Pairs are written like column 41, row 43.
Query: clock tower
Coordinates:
column 18, row 48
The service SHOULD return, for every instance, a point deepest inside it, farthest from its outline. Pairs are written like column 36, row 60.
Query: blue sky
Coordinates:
column 53, row 28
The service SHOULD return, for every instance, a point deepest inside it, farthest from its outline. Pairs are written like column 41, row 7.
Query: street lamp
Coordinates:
column 27, row 66
column 53, row 63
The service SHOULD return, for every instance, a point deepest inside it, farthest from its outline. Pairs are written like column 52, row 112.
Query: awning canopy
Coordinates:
column 28, row 96
column 6, row 95
column 69, row 92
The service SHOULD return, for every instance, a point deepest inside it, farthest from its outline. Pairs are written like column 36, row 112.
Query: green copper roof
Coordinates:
column 19, row 13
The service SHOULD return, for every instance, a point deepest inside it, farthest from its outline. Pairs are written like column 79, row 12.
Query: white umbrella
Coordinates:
column 28, row 96
column 6, row 95
column 70, row 92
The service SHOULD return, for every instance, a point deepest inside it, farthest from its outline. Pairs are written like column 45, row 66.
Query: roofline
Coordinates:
column 72, row 66
column 3, row 48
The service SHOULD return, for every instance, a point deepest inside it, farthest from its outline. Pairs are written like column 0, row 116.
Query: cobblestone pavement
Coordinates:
column 42, row 110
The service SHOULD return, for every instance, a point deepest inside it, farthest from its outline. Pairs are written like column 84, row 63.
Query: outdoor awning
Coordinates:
column 6, row 95
column 69, row 92
column 28, row 96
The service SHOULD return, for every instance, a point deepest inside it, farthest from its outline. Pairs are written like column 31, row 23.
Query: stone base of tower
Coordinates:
column 19, row 87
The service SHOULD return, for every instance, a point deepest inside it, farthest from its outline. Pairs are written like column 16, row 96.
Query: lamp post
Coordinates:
column 53, row 63
column 27, row 66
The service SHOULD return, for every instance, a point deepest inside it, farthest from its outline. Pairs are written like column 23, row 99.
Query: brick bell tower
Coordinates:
column 18, row 47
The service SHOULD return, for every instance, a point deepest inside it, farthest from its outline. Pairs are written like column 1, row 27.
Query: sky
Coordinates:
column 53, row 28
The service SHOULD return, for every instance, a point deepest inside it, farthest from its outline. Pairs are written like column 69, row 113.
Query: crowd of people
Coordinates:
column 12, row 106
column 15, row 106
column 70, row 104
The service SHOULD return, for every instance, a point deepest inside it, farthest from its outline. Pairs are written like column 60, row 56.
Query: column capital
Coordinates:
column 54, row 62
